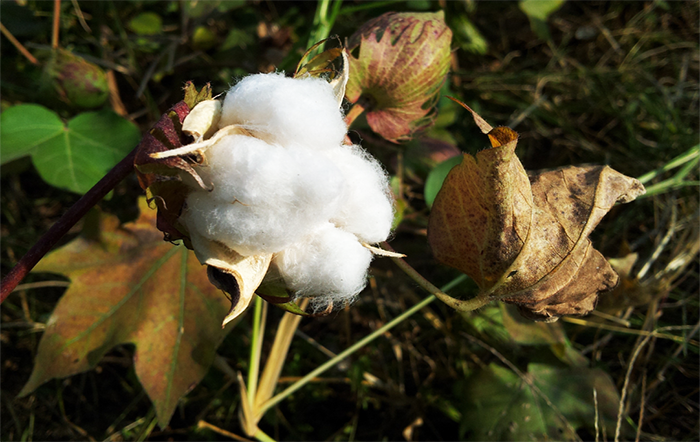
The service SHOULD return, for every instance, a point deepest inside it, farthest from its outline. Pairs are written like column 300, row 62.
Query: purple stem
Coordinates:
column 64, row 224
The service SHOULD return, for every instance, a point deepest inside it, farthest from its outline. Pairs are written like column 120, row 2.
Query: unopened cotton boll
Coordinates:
column 286, row 110
column 265, row 197
column 367, row 209
column 330, row 265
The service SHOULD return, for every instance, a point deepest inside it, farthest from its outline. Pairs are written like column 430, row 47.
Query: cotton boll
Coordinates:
column 286, row 110
column 265, row 197
column 329, row 265
column 367, row 209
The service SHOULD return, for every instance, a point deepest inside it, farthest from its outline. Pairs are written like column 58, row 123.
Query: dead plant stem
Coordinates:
column 20, row 47
column 56, row 23
column 625, row 386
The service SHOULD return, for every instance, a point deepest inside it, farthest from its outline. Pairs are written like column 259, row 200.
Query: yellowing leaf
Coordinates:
column 402, row 62
column 524, row 238
column 129, row 286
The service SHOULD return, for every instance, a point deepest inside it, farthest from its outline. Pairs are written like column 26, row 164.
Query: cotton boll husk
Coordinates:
column 367, row 209
column 265, row 197
column 329, row 265
column 286, row 110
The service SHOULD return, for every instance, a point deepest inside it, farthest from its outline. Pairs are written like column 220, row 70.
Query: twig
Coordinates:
column 81, row 17
column 20, row 47
column 64, row 224
column 641, row 408
column 597, row 417
column 221, row 431
column 56, row 23
column 623, row 396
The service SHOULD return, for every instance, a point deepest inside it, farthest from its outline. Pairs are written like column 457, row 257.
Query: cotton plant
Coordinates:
column 275, row 192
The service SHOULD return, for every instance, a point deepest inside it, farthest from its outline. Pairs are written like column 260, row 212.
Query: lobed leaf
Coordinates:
column 128, row 286
column 502, row 406
column 74, row 156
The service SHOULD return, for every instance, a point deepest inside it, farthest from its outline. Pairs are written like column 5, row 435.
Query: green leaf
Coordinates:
column 237, row 38
column 73, row 156
column 526, row 332
column 470, row 38
column 25, row 128
column 437, row 176
column 502, row 406
column 197, row 9
column 146, row 23
column 129, row 286
column 538, row 11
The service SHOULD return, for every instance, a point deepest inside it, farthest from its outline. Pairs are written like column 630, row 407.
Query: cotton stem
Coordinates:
column 64, row 224
column 457, row 304
column 259, row 320
column 358, row 345
column 350, row 350
column 355, row 111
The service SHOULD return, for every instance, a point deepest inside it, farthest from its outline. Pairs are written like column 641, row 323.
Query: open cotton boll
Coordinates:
column 329, row 265
column 265, row 197
column 256, row 173
column 367, row 209
column 283, row 110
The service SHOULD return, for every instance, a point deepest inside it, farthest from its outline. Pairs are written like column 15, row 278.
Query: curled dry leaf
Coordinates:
column 402, row 62
column 523, row 237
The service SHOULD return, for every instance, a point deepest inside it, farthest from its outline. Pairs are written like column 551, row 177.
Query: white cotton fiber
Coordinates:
column 286, row 110
column 329, row 265
column 264, row 196
column 367, row 208
column 291, row 188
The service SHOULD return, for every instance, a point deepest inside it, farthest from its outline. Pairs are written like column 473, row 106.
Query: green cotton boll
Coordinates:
column 77, row 81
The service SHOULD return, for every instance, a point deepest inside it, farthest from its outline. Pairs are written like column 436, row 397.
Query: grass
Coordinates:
column 617, row 84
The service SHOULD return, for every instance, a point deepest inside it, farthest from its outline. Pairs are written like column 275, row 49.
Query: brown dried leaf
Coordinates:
column 524, row 238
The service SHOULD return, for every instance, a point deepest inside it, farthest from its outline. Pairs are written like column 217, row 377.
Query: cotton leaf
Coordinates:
column 128, row 286
column 524, row 238
column 72, row 156
column 501, row 406
column 402, row 62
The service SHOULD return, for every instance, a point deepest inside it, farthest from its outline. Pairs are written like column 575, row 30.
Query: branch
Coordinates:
column 64, row 224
